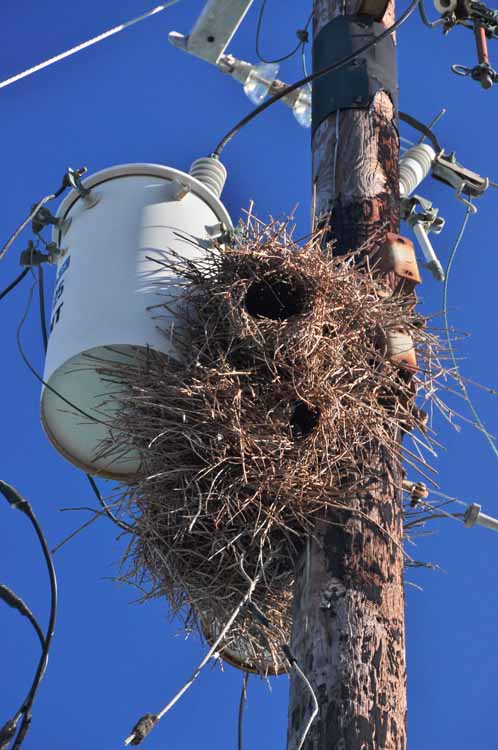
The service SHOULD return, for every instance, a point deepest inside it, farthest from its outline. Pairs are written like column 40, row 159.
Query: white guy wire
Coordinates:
column 88, row 43
column 247, row 596
column 463, row 387
column 25, row 223
column 316, row 707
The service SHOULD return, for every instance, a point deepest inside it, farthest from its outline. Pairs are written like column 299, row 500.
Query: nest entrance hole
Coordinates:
column 304, row 420
column 278, row 300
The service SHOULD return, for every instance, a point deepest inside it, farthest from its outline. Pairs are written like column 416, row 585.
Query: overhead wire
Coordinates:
column 425, row 18
column 302, row 35
column 26, row 221
column 312, row 77
column 107, row 511
column 242, row 703
column 460, row 381
column 84, row 45
column 17, row 501
column 14, row 283
column 147, row 722
column 13, row 600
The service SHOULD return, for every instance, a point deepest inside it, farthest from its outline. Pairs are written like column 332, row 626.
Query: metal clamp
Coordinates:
column 447, row 169
column 484, row 73
column 73, row 177
column 422, row 222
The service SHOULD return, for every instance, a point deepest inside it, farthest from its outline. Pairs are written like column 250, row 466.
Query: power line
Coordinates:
column 13, row 285
column 8, row 731
column 303, row 81
column 460, row 381
column 88, row 43
column 302, row 35
column 242, row 703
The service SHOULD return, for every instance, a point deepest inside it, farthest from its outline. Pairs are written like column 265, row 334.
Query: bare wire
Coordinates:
column 86, row 44
column 212, row 651
column 25, row 223
column 316, row 707
column 290, row 54
column 459, row 379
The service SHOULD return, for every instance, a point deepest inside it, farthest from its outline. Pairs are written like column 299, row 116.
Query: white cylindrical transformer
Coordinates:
column 414, row 166
column 109, row 285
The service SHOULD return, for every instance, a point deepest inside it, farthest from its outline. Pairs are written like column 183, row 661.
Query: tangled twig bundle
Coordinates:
column 282, row 393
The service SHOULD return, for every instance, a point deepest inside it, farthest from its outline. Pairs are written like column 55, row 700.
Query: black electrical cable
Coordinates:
column 15, row 601
column 427, row 132
column 302, row 35
column 41, row 297
column 107, row 511
column 17, row 501
column 39, row 377
column 14, row 283
column 242, row 703
column 313, row 76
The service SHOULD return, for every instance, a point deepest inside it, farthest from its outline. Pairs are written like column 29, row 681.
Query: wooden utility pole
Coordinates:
column 348, row 630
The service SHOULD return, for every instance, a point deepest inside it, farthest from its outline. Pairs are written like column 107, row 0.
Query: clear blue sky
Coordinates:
column 133, row 98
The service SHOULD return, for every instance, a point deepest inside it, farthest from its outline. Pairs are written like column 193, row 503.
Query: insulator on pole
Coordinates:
column 211, row 172
column 474, row 516
column 414, row 166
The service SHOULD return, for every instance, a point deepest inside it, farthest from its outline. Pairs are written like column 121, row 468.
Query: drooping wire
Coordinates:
column 13, row 600
column 41, row 298
column 107, row 511
column 147, row 722
column 426, row 131
column 13, row 285
column 302, row 35
column 17, row 501
column 86, row 44
column 242, row 703
column 25, row 223
column 458, row 376
column 425, row 18
column 312, row 77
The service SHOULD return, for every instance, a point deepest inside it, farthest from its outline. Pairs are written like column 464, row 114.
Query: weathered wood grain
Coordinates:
column 348, row 631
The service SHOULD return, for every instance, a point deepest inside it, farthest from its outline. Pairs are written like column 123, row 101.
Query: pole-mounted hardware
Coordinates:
column 474, row 516
column 422, row 222
column 445, row 168
column 417, row 491
column 213, row 30
column 89, row 197
column 483, row 21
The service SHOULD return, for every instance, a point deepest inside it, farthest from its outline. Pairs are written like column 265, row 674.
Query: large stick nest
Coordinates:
column 282, row 395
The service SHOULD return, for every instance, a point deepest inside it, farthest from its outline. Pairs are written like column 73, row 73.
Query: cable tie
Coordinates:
column 303, row 35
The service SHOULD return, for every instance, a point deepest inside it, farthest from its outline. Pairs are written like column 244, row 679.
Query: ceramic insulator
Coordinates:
column 211, row 173
column 414, row 166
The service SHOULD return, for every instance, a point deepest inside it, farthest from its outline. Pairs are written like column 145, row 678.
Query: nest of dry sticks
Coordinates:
column 281, row 395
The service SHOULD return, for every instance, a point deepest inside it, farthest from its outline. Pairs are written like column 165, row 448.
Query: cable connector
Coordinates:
column 7, row 733
column 142, row 728
column 13, row 497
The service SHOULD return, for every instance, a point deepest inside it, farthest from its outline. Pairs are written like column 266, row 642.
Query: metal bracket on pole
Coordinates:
column 213, row 30
column 422, row 222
